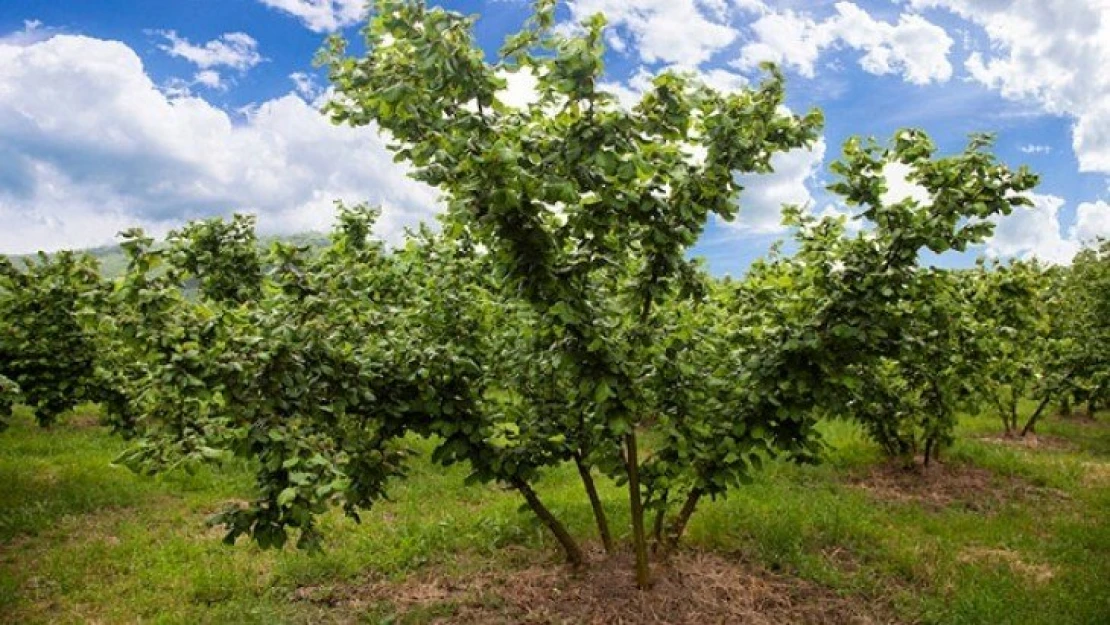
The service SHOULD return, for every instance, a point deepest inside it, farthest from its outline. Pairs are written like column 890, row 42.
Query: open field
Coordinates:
column 1001, row 532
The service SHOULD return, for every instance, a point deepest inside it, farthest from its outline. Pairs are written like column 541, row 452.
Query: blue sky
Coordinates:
column 149, row 113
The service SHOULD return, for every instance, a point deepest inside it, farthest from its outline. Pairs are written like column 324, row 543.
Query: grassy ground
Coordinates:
column 1002, row 533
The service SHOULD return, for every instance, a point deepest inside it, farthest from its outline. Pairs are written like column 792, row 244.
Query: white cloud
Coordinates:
column 1033, row 231
column 1033, row 148
column 235, row 50
column 682, row 32
column 764, row 195
column 210, row 78
column 722, row 80
column 627, row 96
column 322, row 15
column 899, row 187
column 305, row 85
column 1037, row 231
column 181, row 88
column 520, row 88
column 90, row 145
column 33, row 32
column 1054, row 52
column 1092, row 222
column 787, row 38
column 912, row 46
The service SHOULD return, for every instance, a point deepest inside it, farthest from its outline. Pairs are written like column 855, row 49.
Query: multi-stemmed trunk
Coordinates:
column 636, row 507
column 1031, row 425
column 595, row 501
column 570, row 547
column 678, row 528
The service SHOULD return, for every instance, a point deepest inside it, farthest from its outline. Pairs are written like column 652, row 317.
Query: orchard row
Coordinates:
column 556, row 317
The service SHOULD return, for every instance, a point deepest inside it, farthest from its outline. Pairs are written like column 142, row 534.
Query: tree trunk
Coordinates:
column 679, row 526
column 639, row 544
column 657, row 527
column 1032, row 422
column 1049, row 394
column 595, row 503
column 570, row 547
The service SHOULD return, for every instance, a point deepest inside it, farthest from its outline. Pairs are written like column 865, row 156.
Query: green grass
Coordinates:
column 83, row 541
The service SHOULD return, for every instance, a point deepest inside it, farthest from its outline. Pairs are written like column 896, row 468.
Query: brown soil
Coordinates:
column 945, row 485
column 694, row 587
column 1096, row 474
column 1078, row 416
column 1036, row 573
column 1032, row 441
column 83, row 420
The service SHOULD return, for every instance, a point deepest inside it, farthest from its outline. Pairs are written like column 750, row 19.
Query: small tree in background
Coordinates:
column 9, row 396
column 43, row 348
column 1077, row 360
column 222, row 258
column 1011, row 302
column 925, row 352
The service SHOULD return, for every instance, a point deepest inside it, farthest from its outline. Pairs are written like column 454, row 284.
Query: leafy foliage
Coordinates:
column 914, row 326
column 9, row 396
column 222, row 257
column 556, row 317
column 1011, row 302
column 1076, row 354
column 43, row 348
column 571, row 193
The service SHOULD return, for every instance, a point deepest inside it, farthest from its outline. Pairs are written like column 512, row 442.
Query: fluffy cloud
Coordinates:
column 786, row 38
column 90, row 145
column 1092, row 222
column 235, row 50
column 33, row 32
column 1037, row 231
column 211, row 79
column 520, row 88
column 682, row 32
column 1054, row 52
column 322, row 15
column 306, row 86
column 722, row 80
column 688, row 33
column 899, row 187
column 912, row 46
column 764, row 195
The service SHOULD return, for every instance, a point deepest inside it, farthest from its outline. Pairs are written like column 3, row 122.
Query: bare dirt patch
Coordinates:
column 945, row 485
column 1037, row 573
column 1046, row 442
column 1096, row 473
column 694, row 587
column 1078, row 416
column 83, row 420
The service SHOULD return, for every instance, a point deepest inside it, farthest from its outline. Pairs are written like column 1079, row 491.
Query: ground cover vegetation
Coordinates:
column 554, row 329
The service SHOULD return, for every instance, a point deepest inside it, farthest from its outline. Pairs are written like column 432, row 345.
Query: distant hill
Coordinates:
column 113, row 262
